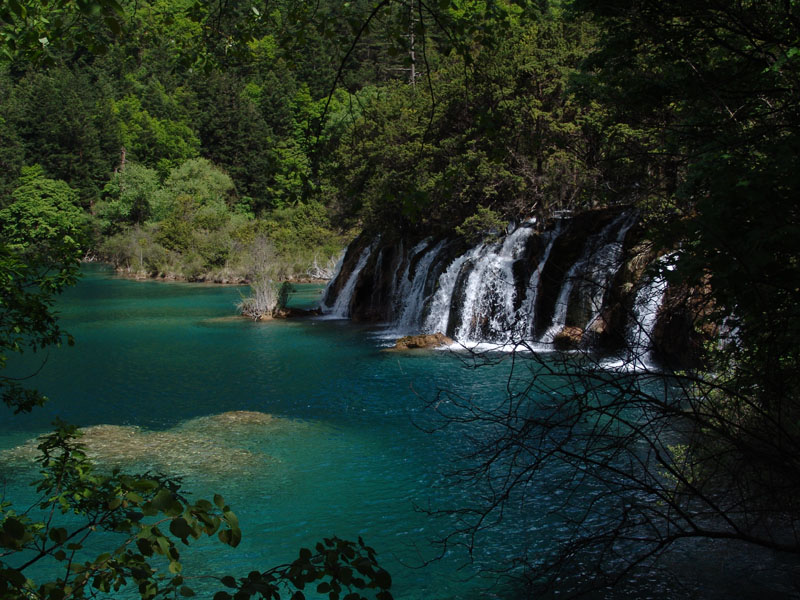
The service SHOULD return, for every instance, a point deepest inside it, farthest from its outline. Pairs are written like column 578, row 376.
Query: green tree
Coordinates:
column 12, row 150
column 128, row 197
column 206, row 183
column 503, row 132
column 717, row 91
column 155, row 142
column 700, row 103
column 42, row 233
column 36, row 31
column 55, row 114
column 43, row 216
column 235, row 133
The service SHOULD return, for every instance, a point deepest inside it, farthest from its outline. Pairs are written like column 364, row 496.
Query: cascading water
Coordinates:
column 591, row 273
column 341, row 307
column 413, row 299
column 490, row 294
column 438, row 317
column 524, row 318
column 401, row 285
column 596, row 284
column 326, row 299
column 639, row 336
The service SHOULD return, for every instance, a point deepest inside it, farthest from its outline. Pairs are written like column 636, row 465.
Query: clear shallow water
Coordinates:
column 341, row 455
column 328, row 447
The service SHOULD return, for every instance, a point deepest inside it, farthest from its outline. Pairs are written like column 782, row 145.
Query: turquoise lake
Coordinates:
column 340, row 456
column 330, row 443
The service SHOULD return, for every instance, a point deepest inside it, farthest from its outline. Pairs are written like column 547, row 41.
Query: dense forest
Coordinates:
column 184, row 146
column 231, row 141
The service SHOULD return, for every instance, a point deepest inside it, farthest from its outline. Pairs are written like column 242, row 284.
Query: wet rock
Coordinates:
column 292, row 313
column 568, row 338
column 432, row 340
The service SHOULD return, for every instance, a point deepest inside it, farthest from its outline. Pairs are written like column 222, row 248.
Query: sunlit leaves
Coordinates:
column 41, row 235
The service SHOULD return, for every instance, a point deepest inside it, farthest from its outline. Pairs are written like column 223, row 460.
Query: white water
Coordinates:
column 401, row 286
column 605, row 267
column 341, row 308
column 479, row 287
column 414, row 297
column 337, row 270
column 645, row 312
column 639, row 335
column 592, row 271
column 490, row 293
column 438, row 317
column 525, row 315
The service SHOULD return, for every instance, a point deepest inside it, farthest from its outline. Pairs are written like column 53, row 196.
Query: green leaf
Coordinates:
column 145, row 547
column 14, row 528
column 17, row 8
column 231, row 537
column 181, row 529
column 58, row 535
column 113, row 25
column 13, row 576
column 383, row 579
column 134, row 498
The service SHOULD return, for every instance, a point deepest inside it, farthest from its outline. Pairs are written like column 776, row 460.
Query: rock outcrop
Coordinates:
column 568, row 338
column 429, row 340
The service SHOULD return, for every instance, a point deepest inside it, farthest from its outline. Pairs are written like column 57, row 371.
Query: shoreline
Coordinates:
column 140, row 276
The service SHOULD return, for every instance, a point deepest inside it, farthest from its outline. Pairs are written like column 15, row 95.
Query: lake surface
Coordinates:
column 329, row 445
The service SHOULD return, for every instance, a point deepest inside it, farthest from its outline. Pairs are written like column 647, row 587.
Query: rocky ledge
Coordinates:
column 568, row 338
column 431, row 340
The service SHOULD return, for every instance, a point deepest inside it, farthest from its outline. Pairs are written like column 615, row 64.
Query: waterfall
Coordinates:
column 605, row 267
column 490, row 294
column 524, row 319
column 401, row 285
column 341, row 308
column 413, row 297
column 438, row 317
column 592, row 273
column 648, row 300
column 326, row 299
